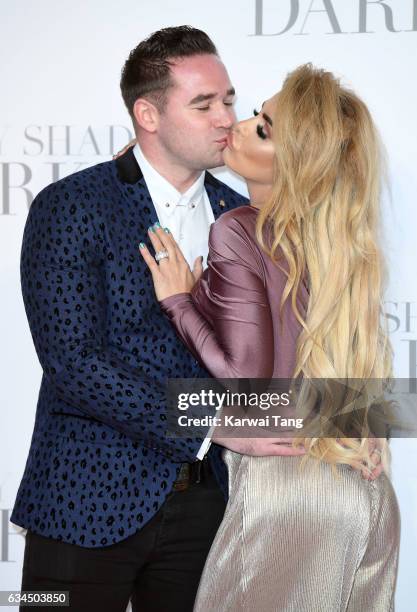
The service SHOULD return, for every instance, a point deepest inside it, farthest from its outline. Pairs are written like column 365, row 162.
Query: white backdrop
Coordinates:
column 61, row 110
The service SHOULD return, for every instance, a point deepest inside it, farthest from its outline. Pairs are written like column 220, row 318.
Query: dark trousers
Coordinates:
column 158, row 568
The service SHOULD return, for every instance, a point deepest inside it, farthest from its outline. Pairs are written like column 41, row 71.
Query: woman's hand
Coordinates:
column 172, row 274
column 122, row 151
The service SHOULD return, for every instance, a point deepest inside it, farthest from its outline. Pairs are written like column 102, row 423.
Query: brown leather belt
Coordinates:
column 190, row 473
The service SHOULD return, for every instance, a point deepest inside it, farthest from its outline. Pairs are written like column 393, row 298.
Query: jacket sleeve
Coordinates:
column 64, row 293
column 226, row 320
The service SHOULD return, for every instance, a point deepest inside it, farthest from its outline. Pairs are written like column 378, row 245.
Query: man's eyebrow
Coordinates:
column 202, row 98
column 210, row 96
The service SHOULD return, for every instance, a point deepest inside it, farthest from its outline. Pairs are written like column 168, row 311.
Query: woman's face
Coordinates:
column 250, row 150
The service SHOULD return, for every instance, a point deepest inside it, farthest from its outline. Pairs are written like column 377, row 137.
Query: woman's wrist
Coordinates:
column 171, row 303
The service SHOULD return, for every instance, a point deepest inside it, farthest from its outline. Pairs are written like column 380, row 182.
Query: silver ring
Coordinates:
column 161, row 255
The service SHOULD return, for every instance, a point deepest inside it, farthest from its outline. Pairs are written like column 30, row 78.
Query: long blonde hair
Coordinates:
column 324, row 214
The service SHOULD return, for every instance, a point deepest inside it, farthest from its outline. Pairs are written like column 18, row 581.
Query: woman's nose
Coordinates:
column 242, row 127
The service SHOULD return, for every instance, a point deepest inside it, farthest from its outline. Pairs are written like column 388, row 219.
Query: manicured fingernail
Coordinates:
column 141, row 245
column 157, row 224
column 151, row 229
column 166, row 230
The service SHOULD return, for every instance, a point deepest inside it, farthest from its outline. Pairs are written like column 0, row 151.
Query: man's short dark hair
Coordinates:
column 147, row 74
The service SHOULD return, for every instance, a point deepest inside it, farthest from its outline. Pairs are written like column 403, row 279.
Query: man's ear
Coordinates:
column 146, row 115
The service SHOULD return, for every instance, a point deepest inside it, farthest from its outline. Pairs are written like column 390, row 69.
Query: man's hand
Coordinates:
column 376, row 446
column 260, row 447
column 251, row 440
column 268, row 447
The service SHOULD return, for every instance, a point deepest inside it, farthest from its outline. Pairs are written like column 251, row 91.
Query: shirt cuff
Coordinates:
column 205, row 447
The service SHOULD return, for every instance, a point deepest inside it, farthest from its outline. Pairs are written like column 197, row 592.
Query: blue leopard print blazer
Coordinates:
column 100, row 464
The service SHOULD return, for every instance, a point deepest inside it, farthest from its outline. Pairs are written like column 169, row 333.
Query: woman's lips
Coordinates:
column 229, row 140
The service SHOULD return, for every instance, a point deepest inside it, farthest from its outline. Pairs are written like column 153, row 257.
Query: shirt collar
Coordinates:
column 161, row 190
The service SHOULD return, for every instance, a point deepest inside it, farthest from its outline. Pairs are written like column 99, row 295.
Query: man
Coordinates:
column 114, row 508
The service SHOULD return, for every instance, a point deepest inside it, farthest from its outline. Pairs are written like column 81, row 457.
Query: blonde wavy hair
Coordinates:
column 324, row 214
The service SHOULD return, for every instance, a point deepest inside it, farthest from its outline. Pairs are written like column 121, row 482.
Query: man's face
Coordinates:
column 198, row 114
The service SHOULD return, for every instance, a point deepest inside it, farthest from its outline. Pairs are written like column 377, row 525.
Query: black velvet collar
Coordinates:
column 129, row 170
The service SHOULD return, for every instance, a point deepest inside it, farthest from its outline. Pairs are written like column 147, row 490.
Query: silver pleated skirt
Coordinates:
column 302, row 540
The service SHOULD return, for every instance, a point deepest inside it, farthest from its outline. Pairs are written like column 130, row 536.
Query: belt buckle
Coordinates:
column 183, row 481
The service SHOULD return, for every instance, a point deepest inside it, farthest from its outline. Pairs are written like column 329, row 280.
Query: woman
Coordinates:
column 293, row 288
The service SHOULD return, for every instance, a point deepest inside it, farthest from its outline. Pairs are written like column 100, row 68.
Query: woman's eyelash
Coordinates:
column 259, row 128
column 260, row 132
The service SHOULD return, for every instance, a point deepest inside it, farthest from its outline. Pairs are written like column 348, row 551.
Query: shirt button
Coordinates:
column 192, row 205
column 167, row 204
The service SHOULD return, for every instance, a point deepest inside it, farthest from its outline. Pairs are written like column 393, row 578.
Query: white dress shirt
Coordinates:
column 187, row 215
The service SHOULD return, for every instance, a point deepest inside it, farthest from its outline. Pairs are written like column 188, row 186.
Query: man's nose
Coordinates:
column 226, row 117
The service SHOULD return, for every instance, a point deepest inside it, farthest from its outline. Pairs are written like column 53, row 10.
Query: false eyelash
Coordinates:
column 260, row 132
column 259, row 128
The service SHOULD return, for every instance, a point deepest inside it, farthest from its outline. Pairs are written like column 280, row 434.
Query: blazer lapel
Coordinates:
column 215, row 194
column 131, row 177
